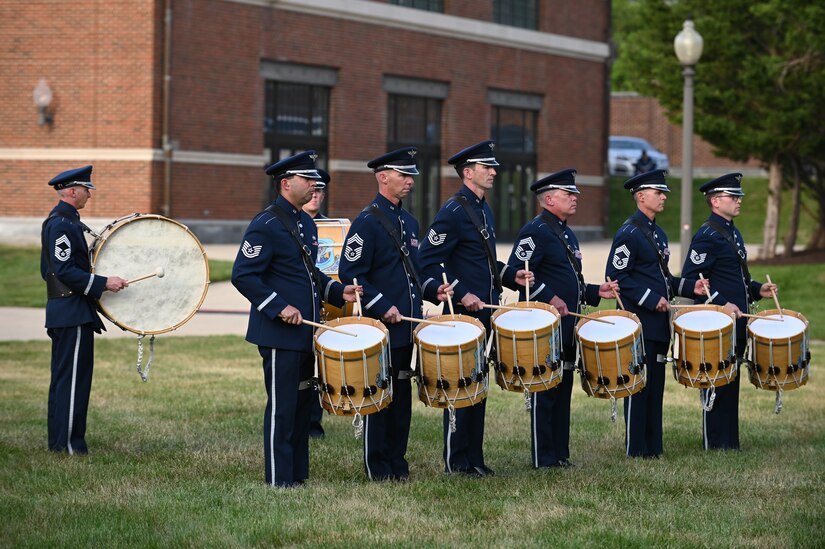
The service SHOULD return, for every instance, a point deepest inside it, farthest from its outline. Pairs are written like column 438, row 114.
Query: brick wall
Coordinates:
column 103, row 61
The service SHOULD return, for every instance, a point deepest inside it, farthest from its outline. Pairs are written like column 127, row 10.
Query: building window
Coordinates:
column 414, row 121
column 514, row 131
column 296, row 119
column 516, row 13
column 429, row 5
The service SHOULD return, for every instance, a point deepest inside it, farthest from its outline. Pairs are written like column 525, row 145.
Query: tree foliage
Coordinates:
column 760, row 84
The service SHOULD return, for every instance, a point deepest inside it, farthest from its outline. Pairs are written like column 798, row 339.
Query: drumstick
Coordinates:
column 571, row 313
column 504, row 307
column 527, row 286
column 422, row 321
column 773, row 293
column 449, row 297
column 761, row 317
column 707, row 288
column 616, row 295
column 330, row 328
column 357, row 297
column 159, row 272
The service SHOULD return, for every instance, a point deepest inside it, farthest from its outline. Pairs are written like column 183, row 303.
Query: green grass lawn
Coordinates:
column 177, row 462
column 21, row 285
column 750, row 221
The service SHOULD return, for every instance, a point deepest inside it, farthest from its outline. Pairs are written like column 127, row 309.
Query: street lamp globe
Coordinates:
column 688, row 45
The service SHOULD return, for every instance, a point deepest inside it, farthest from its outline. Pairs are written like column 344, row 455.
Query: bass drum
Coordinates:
column 141, row 244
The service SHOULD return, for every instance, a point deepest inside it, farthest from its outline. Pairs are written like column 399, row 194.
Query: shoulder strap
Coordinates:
column 659, row 256
column 571, row 253
column 485, row 238
column 306, row 254
column 740, row 255
column 402, row 249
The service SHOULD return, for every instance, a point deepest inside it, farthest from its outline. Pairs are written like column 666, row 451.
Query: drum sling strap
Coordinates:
column 485, row 238
column 55, row 289
column 740, row 255
column 306, row 254
column 403, row 251
column 659, row 256
column 571, row 253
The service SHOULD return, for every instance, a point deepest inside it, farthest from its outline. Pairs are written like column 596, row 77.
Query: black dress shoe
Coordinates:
column 464, row 472
column 484, row 471
column 566, row 463
column 316, row 431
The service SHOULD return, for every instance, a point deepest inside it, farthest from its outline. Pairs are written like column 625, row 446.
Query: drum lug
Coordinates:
column 539, row 370
column 501, row 367
column 442, row 384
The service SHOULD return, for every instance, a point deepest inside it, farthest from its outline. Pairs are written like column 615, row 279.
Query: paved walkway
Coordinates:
column 225, row 311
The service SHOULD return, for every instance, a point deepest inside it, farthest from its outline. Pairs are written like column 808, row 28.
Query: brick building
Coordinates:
column 640, row 116
column 180, row 103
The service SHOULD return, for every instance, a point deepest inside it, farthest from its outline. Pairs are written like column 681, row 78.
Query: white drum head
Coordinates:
column 526, row 320
column 703, row 321
column 367, row 336
column 458, row 333
column 599, row 332
column 788, row 327
column 140, row 246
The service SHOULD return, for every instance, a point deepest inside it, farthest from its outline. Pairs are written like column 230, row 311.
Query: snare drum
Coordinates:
column 451, row 368
column 780, row 353
column 612, row 356
column 140, row 244
column 331, row 236
column 528, row 343
column 704, row 345
column 354, row 372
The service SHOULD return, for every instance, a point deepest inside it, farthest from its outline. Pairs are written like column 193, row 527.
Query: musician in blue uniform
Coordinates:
column 718, row 252
column 638, row 261
column 381, row 253
column 551, row 248
column 461, row 242
column 71, row 310
column 313, row 209
column 275, row 270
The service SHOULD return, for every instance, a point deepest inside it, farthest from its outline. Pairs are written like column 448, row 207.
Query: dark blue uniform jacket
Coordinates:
column 454, row 241
column 371, row 257
column 270, row 273
column 69, row 257
column 712, row 256
column 634, row 264
column 550, row 263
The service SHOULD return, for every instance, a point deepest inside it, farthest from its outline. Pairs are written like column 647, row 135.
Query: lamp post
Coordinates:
column 688, row 46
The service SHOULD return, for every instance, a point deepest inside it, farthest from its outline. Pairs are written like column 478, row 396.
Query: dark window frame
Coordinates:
column 424, row 201
column 517, row 13
column 299, row 136
column 427, row 5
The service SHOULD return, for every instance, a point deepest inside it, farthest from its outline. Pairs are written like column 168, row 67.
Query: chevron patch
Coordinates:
column 251, row 251
column 62, row 248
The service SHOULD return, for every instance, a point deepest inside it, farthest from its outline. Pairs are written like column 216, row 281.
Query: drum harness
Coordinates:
column 404, row 254
column 491, row 262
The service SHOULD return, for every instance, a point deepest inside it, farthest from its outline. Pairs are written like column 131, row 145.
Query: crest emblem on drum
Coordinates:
column 436, row 239
column 697, row 258
column 355, row 244
column 251, row 251
column 62, row 248
column 525, row 248
column 621, row 257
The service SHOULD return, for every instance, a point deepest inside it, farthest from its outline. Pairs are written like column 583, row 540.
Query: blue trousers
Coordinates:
column 643, row 411
column 72, row 364
column 286, row 418
column 720, row 426
column 550, row 423
column 387, row 431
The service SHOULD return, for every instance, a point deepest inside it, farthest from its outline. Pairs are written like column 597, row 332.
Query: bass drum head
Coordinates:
column 139, row 246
